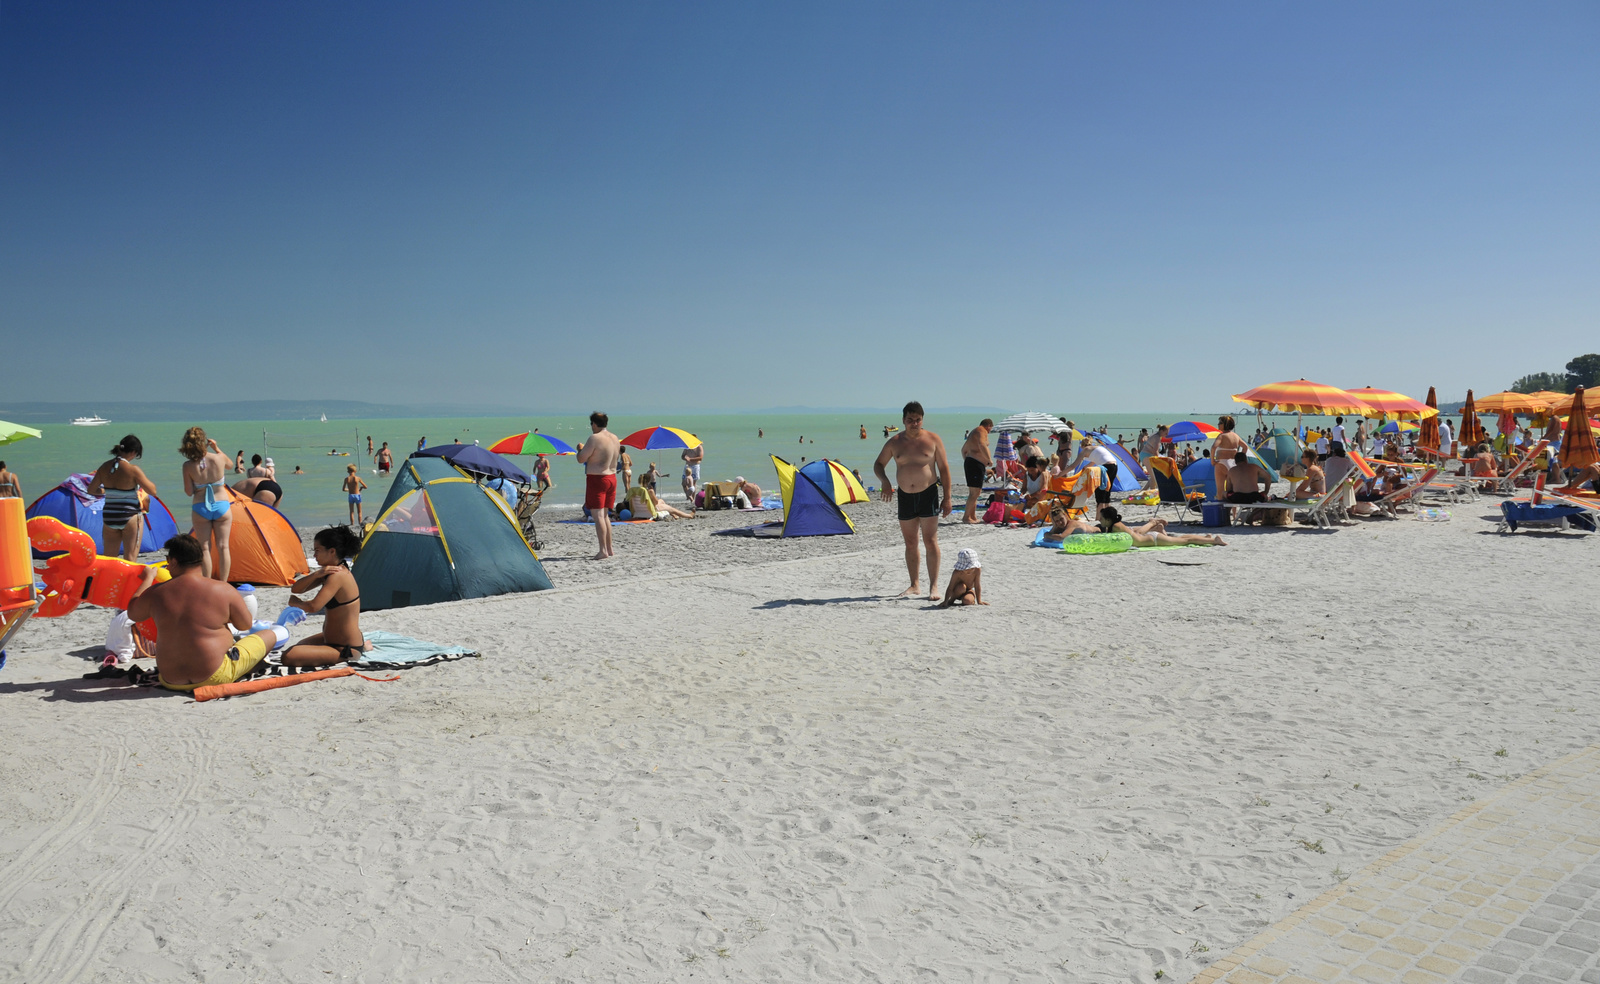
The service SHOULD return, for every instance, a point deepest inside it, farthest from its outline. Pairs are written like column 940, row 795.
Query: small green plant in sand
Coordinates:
column 723, row 952
column 1197, row 947
column 1473, row 775
column 1262, row 801
column 1327, row 808
column 1160, row 974
column 1315, row 845
column 1258, row 896
column 1500, row 754
column 1356, row 786
column 1339, row 874
column 692, row 958
column 975, row 838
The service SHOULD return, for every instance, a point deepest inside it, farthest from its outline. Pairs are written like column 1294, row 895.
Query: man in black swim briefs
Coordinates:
column 921, row 469
column 975, row 461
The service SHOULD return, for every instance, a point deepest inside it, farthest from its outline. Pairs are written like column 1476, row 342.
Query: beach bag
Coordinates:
column 996, row 513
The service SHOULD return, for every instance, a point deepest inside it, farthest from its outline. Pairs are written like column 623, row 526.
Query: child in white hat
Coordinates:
column 966, row 581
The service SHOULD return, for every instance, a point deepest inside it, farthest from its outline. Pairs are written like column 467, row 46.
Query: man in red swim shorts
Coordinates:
column 598, row 455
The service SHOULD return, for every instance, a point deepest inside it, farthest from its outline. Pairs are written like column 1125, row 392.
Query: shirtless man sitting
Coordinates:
column 976, row 460
column 598, row 456
column 192, row 614
column 921, row 468
column 1245, row 481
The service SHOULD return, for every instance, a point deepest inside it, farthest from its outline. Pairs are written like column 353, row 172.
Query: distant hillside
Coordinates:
column 62, row 413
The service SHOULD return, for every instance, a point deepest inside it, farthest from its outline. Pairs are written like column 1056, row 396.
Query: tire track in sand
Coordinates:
column 65, row 833
column 65, row 950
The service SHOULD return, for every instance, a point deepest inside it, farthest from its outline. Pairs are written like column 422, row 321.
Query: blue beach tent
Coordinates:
column 442, row 536
column 1130, row 476
column 71, row 503
column 810, row 501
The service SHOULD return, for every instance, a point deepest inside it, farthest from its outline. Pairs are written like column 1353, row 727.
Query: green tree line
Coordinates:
column 1582, row 371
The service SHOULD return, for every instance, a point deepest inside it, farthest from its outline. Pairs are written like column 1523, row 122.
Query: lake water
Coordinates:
column 735, row 444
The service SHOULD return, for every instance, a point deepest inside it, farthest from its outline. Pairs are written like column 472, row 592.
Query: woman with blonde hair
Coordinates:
column 212, row 509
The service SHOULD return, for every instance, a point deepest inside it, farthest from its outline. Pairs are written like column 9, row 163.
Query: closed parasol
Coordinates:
column 1472, row 431
column 1389, row 405
column 1578, row 448
column 1428, row 437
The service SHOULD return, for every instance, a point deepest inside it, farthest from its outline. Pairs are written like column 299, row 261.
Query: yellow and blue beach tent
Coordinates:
column 442, row 536
column 811, row 497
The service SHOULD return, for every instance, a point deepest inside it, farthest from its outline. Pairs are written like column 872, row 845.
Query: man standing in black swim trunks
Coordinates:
column 975, row 460
column 920, row 468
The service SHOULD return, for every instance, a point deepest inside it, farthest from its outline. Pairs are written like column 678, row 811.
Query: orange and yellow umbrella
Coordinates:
column 1429, row 436
column 1472, row 431
column 1509, row 402
column 1578, row 449
column 1390, row 405
column 1303, row 396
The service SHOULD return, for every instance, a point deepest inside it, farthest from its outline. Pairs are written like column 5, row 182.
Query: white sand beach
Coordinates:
column 734, row 759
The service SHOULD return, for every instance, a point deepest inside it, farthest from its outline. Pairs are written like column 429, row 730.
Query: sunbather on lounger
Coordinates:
column 1575, row 480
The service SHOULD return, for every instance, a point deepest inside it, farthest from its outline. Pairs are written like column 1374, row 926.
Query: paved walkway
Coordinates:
column 1505, row 892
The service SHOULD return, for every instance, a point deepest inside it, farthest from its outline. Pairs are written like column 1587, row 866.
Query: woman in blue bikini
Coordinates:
column 120, row 480
column 212, row 508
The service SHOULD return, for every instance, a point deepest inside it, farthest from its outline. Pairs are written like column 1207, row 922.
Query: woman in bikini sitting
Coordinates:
column 212, row 509
column 338, row 597
column 1153, row 533
column 120, row 480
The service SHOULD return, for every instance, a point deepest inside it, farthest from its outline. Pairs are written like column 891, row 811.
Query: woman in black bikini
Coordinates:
column 339, row 598
column 120, row 480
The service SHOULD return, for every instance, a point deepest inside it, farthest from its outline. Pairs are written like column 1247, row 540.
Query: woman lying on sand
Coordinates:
column 338, row 598
column 1153, row 533
column 1062, row 525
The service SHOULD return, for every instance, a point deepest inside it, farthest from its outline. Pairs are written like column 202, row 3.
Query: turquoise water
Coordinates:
column 735, row 445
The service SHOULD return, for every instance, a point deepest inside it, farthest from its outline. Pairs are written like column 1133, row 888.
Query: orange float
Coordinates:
column 78, row 575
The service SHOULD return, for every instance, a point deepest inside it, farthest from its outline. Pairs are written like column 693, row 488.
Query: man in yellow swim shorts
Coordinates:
column 195, row 647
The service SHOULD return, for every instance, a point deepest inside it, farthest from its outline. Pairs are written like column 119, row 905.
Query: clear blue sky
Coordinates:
column 1101, row 206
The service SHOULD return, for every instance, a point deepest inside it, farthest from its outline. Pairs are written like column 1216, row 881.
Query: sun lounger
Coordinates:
column 1561, row 511
column 1390, row 504
column 1323, row 510
column 1508, row 482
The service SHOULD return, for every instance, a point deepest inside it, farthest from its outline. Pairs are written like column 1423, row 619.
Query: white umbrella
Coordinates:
column 1022, row 423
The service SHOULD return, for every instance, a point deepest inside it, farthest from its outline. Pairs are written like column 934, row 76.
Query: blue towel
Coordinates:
column 390, row 650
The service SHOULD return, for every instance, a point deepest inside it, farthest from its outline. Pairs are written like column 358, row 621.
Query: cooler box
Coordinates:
column 1215, row 514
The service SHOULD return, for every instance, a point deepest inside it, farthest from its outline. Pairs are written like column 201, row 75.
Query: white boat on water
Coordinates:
column 95, row 421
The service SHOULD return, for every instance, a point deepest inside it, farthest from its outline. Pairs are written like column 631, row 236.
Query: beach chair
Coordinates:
column 528, row 502
column 1508, row 482
column 1390, row 504
column 1169, row 486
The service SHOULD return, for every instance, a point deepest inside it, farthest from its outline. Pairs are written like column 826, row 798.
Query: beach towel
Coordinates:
column 389, row 651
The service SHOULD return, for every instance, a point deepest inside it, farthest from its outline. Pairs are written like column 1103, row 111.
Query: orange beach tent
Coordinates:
column 264, row 546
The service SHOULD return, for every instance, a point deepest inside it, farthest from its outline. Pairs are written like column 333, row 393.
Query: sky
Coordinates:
column 1117, row 207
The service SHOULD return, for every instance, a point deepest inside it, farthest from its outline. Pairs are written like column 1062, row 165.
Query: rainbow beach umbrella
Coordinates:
column 530, row 443
column 658, row 438
column 1191, row 430
column 1400, row 427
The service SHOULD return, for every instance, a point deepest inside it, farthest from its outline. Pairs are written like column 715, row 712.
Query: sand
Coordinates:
column 735, row 759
